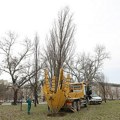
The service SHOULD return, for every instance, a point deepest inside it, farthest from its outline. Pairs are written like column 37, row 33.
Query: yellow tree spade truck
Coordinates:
column 67, row 96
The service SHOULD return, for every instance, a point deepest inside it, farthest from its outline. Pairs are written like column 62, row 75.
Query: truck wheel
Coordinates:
column 85, row 105
column 75, row 105
column 78, row 105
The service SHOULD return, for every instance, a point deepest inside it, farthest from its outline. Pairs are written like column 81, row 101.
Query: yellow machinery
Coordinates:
column 76, row 96
column 67, row 95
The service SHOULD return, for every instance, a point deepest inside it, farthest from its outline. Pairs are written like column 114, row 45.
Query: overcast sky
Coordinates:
column 97, row 22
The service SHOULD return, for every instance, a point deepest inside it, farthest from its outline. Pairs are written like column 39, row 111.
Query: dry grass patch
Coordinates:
column 108, row 111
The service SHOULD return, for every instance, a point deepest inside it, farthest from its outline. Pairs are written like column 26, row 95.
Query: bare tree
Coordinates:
column 86, row 67
column 37, row 50
column 15, row 64
column 3, row 89
column 111, row 92
column 102, row 85
column 37, row 66
column 117, row 92
column 60, row 43
column 9, row 94
column 78, row 67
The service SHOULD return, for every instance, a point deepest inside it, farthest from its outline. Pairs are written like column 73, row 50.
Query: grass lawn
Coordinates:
column 105, row 111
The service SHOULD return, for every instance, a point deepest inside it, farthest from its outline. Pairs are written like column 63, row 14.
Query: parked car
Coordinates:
column 95, row 99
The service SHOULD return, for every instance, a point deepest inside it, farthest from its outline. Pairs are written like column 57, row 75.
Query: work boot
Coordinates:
column 28, row 113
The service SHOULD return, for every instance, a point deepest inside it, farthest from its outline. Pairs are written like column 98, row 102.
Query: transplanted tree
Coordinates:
column 60, row 43
column 15, row 63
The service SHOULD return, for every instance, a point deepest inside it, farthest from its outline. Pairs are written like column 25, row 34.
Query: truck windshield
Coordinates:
column 75, row 87
column 94, row 95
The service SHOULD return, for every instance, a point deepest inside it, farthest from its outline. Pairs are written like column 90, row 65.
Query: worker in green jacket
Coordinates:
column 29, row 105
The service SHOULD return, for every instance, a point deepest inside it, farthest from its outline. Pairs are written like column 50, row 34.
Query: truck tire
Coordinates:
column 86, row 104
column 75, row 105
column 78, row 105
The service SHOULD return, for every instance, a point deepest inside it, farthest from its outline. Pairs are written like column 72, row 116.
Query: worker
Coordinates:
column 29, row 105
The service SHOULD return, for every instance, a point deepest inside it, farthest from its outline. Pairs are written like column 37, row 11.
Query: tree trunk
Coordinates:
column 104, row 94
column 36, row 98
column 104, row 98
column 15, row 97
column 57, row 76
column 21, row 105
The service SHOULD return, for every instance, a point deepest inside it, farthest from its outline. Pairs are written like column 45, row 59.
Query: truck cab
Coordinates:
column 77, row 96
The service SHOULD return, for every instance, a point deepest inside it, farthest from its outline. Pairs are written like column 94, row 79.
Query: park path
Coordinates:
column 23, row 103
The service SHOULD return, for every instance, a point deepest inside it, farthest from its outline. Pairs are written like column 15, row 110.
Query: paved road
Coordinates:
column 6, row 103
column 22, row 103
